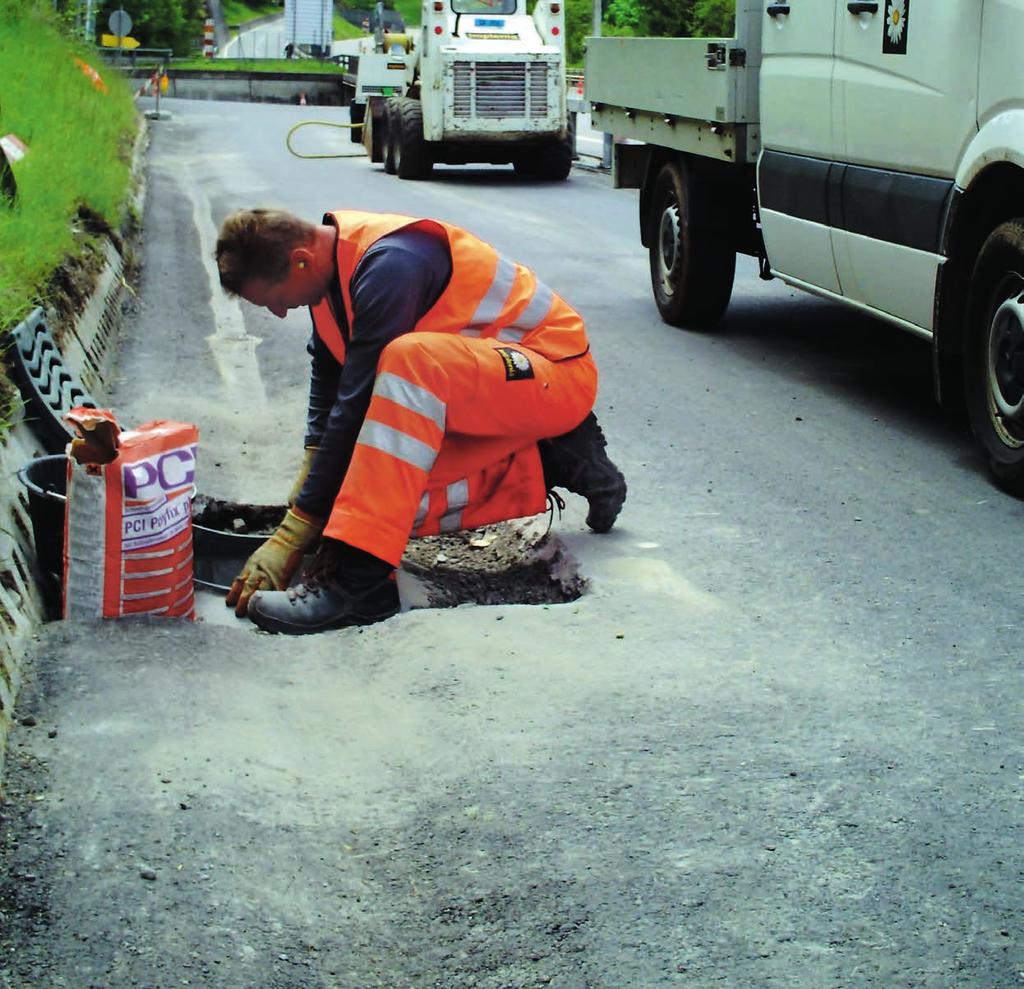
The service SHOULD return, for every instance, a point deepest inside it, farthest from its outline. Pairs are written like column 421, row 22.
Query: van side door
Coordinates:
column 797, row 138
column 906, row 106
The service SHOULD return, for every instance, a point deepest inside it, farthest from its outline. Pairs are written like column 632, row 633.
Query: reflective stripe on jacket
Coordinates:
column 488, row 295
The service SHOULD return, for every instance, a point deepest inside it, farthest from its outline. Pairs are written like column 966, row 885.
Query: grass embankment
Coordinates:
column 236, row 13
column 74, row 181
column 410, row 11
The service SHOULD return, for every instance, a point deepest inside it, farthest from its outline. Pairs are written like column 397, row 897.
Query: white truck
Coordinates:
column 479, row 81
column 868, row 151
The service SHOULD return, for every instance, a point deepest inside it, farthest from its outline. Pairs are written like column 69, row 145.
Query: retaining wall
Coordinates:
column 263, row 87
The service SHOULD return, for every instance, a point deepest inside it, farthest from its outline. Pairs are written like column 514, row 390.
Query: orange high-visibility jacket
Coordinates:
column 488, row 295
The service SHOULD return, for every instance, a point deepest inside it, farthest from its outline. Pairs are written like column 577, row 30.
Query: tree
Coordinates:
column 669, row 18
column 713, row 19
column 658, row 18
column 578, row 25
column 627, row 16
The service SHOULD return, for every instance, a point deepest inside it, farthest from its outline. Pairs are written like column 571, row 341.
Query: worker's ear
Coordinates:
column 300, row 257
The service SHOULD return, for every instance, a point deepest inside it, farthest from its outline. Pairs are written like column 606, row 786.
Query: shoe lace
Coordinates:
column 313, row 581
column 555, row 501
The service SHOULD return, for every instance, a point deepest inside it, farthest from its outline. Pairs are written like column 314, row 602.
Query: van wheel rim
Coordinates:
column 1005, row 366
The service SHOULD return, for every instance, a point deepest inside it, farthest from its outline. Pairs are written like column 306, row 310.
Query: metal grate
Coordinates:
column 47, row 386
column 538, row 89
column 500, row 89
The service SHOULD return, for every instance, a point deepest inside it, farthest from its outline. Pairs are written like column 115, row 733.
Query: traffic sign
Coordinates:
column 120, row 23
column 112, row 41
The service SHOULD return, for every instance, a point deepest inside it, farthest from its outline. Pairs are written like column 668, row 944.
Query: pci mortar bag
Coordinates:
column 128, row 520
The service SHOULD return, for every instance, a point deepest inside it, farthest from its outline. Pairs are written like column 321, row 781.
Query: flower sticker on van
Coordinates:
column 894, row 28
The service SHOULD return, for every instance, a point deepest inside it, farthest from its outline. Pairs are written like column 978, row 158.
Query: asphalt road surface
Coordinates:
column 776, row 744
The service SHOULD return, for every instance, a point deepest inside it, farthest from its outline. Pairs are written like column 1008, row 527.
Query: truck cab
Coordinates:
column 481, row 80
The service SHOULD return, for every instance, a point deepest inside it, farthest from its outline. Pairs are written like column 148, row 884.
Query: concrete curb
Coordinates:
column 87, row 349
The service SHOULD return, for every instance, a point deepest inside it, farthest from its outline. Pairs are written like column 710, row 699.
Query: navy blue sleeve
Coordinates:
column 397, row 281
column 324, row 377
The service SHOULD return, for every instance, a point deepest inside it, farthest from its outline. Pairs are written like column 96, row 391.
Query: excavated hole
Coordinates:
column 235, row 519
column 507, row 563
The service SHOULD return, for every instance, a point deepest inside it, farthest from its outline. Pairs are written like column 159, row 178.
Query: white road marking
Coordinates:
column 234, row 350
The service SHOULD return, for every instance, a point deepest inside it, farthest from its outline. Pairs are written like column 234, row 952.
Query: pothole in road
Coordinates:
column 508, row 563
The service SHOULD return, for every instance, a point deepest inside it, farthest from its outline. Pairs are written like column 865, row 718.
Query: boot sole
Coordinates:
column 277, row 626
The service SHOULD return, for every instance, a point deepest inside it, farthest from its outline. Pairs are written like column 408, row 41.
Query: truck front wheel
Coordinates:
column 411, row 155
column 692, row 266
column 550, row 162
column 994, row 354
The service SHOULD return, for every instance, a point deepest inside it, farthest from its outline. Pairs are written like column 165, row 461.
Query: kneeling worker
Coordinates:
column 450, row 389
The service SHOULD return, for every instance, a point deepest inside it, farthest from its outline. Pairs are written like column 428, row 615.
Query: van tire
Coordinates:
column 693, row 264
column 412, row 157
column 994, row 354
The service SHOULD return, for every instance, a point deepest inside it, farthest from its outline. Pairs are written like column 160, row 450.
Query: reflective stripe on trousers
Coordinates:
column 449, row 440
column 455, row 502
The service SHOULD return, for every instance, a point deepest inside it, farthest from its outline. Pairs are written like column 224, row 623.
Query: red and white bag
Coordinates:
column 128, row 522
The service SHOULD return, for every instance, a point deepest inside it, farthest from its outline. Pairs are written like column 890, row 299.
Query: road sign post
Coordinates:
column 120, row 25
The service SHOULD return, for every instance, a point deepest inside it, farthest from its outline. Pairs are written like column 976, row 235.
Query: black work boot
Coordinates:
column 343, row 586
column 577, row 462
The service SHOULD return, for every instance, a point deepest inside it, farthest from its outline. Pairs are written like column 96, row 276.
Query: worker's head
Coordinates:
column 272, row 258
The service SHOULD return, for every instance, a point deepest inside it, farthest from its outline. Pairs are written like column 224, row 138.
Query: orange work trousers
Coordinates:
column 450, row 437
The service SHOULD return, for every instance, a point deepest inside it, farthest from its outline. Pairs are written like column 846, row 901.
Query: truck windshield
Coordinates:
column 484, row 6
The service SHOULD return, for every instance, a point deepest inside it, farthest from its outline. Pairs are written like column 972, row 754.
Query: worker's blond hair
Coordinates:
column 256, row 243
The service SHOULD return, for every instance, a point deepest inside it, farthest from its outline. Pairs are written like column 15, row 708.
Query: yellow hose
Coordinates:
column 321, row 123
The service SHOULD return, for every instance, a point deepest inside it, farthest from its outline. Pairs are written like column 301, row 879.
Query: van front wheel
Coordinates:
column 994, row 354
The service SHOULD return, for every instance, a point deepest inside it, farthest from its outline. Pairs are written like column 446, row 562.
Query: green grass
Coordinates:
column 410, row 11
column 80, row 141
column 343, row 29
column 236, row 12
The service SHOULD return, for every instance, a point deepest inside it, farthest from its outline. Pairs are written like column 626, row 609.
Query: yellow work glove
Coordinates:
column 307, row 462
column 274, row 563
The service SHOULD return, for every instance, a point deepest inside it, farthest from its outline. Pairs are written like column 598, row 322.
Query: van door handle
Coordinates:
column 774, row 9
column 862, row 7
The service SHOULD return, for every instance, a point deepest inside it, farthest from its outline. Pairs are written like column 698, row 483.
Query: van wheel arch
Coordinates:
column 995, row 196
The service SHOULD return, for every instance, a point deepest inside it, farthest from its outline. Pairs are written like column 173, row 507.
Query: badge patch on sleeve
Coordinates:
column 517, row 365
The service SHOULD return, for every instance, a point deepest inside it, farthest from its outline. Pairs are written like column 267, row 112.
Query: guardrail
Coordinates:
column 133, row 57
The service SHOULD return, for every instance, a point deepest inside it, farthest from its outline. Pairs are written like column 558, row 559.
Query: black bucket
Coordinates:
column 46, row 481
column 219, row 552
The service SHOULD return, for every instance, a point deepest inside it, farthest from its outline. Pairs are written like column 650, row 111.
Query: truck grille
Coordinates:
column 500, row 89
